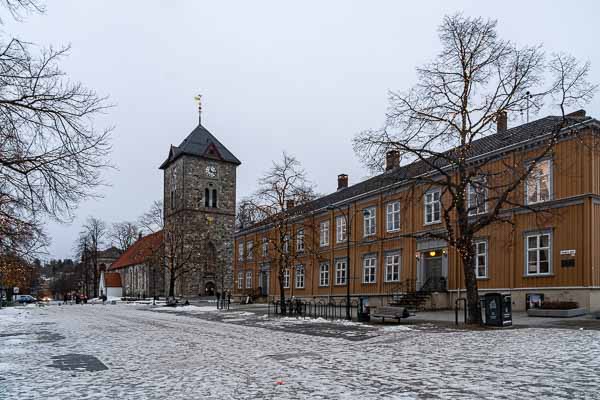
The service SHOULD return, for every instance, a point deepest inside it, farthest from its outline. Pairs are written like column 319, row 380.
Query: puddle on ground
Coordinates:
column 77, row 362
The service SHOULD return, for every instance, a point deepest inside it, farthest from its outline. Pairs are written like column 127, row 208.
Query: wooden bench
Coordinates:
column 390, row 312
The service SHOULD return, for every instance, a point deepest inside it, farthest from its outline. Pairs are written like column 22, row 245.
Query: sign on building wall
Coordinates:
column 568, row 252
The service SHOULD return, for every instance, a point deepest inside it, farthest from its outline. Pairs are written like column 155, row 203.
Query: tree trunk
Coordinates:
column 282, row 292
column 473, row 305
column 171, row 285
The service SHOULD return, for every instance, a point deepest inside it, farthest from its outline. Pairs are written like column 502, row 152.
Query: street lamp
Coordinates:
column 348, row 219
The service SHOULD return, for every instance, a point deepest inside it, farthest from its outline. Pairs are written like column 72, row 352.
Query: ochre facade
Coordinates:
column 570, row 222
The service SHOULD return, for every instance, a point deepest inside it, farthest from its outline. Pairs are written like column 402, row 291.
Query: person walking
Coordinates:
column 218, row 299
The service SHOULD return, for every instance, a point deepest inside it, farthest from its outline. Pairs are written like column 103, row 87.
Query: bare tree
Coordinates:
column 51, row 154
column 124, row 234
column 179, row 253
column 153, row 219
column 282, row 191
column 477, row 79
column 92, row 236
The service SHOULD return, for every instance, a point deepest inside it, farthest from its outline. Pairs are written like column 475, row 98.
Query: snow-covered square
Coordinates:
column 133, row 351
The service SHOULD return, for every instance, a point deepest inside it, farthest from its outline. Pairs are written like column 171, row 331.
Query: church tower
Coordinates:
column 199, row 212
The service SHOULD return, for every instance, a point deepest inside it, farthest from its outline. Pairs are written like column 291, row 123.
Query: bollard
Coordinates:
column 456, row 309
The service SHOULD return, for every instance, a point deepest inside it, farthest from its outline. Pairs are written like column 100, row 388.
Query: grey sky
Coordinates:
column 302, row 77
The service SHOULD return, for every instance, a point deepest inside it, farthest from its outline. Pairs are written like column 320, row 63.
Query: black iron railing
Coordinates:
column 323, row 308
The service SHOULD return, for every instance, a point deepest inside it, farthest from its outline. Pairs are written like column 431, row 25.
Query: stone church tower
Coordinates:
column 199, row 212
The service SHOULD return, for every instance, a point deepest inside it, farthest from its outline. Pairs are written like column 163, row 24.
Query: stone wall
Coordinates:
column 206, row 232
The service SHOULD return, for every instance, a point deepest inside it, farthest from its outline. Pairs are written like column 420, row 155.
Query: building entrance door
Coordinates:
column 434, row 279
column 264, row 283
column 209, row 289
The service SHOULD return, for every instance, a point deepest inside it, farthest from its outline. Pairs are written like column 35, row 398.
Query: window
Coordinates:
column 240, row 280
column 300, row 277
column 324, row 233
column 432, row 207
column 173, row 187
column 340, row 229
column 241, row 251
column 265, row 247
column 300, row 241
column 480, row 259
column 286, row 243
column 210, row 197
column 477, row 197
column 249, row 250
column 369, row 219
column 340, row 272
column 392, row 267
column 249, row 280
column 538, row 187
column 539, row 253
column 286, row 279
column 324, row 274
column 393, row 216
column 369, row 269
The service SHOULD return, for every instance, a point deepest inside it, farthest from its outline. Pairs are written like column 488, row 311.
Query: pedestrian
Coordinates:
column 228, row 299
column 218, row 299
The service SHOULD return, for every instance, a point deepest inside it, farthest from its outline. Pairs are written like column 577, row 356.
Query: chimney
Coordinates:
column 392, row 160
column 289, row 204
column 342, row 181
column 501, row 122
column 576, row 114
column 140, row 235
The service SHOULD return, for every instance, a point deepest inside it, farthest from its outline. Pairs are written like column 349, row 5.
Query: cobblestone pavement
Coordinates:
column 127, row 352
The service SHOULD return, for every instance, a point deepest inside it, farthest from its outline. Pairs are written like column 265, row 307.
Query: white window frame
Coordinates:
column 476, row 258
column 324, row 274
column 393, row 216
column 537, row 251
column 433, row 204
column 265, row 246
column 249, row 280
column 324, row 233
column 286, row 243
column 250, row 250
column 369, row 221
column 392, row 269
column 341, row 272
column 473, row 193
column 240, row 280
column 369, row 269
column 537, row 183
column 341, row 229
column 299, row 277
column 286, row 278
column 300, row 240
column 240, row 251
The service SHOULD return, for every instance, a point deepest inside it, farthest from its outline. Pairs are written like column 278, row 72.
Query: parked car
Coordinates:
column 25, row 299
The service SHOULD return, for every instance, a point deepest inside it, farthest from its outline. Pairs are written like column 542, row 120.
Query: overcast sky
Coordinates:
column 303, row 77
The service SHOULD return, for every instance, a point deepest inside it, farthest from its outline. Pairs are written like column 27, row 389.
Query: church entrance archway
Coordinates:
column 209, row 289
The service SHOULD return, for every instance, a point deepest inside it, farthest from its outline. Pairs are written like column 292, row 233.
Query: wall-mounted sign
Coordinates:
column 568, row 252
column 567, row 263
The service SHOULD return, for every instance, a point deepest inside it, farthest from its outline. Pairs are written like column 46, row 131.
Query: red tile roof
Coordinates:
column 139, row 251
column 112, row 279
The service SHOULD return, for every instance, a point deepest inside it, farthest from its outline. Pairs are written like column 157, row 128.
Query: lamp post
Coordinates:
column 348, row 235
